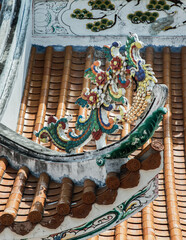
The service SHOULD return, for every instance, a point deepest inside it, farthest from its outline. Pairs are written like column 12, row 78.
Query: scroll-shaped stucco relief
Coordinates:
column 47, row 17
column 112, row 217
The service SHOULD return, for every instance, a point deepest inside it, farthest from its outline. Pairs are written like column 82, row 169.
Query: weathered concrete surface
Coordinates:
column 15, row 62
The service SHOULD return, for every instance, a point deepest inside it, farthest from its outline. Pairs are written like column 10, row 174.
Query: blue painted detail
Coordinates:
column 160, row 48
column 107, row 131
column 140, row 74
column 115, row 44
column 41, row 49
column 109, row 108
column 79, row 48
column 88, row 69
column 94, row 67
column 59, row 48
column 122, row 81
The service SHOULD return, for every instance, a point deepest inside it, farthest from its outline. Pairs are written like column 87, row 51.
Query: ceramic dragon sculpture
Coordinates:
column 109, row 88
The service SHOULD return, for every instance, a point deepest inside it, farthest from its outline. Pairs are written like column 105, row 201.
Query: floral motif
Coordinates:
column 110, row 88
column 102, row 78
column 116, row 64
column 52, row 119
column 92, row 99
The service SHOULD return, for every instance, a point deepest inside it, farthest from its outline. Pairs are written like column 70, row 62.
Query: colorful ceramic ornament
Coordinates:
column 110, row 88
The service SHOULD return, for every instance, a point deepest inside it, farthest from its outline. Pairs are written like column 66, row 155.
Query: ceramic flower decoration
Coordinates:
column 110, row 88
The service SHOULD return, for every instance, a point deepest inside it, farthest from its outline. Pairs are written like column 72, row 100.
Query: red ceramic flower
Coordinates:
column 101, row 78
column 97, row 135
column 116, row 63
column 52, row 119
column 92, row 98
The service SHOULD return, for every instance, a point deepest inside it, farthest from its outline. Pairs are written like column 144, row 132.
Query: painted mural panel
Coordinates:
column 109, row 17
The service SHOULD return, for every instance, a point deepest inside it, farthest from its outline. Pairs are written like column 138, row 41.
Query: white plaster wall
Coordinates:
column 12, row 107
column 53, row 24
column 99, row 41
column 7, row 11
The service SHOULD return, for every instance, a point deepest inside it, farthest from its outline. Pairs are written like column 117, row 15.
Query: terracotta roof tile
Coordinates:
column 64, row 202
column 61, row 84
column 10, row 212
column 35, row 214
column 3, row 165
column 89, row 196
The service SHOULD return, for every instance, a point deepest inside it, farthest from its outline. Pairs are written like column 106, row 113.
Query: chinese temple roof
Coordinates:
column 48, row 194
column 60, row 76
column 164, row 218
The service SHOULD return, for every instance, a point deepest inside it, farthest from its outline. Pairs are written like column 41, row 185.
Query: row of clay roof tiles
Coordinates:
column 55, row 80
column 68, row 199
column 26, row 200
